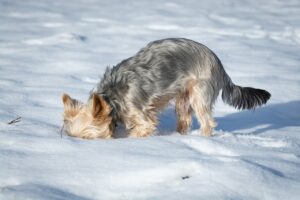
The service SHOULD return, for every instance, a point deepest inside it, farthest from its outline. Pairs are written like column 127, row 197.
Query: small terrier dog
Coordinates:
column 135, row 90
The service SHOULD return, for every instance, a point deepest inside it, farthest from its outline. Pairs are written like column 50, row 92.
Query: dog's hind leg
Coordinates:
column 202, row 99
column 184, row 112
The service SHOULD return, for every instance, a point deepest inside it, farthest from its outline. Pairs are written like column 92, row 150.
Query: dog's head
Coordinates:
column 88, row 121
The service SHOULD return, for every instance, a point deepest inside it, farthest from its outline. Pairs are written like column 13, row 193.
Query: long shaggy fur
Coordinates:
column 175, row 68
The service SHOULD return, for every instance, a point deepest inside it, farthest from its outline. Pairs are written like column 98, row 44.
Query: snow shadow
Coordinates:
column 38, row 191
column 266, row 118
column 262, row 119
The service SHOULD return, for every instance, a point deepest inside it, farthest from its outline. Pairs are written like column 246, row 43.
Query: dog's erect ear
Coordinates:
column 99, row 106
column 68, row 102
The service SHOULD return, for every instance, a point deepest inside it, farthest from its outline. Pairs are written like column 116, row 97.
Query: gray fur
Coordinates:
column 162, row 68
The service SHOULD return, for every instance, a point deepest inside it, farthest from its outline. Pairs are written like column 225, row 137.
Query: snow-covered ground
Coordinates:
column 51, row 47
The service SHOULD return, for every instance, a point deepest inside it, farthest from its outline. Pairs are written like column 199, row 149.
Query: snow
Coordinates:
column 51, row 47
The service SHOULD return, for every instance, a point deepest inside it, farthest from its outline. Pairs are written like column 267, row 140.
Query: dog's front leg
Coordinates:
column 138, row 127
column 141, row 131
column 139, row 123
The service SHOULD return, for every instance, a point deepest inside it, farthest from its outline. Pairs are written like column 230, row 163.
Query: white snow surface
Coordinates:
column 51, row 47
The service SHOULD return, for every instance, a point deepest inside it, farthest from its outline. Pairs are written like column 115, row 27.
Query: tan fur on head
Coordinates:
column 88, row 121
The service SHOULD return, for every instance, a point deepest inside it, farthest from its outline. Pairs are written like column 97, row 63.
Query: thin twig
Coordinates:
column 61, row 131
column 18, row 119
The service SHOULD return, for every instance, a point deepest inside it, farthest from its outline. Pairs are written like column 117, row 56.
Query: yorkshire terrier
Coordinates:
column 135, row 90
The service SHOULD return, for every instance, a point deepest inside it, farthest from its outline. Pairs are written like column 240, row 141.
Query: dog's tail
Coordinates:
column 243, row 97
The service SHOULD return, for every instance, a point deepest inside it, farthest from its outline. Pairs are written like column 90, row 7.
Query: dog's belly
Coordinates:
column 160, row 102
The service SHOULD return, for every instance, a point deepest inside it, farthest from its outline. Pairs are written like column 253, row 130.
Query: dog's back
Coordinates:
column 162, row 68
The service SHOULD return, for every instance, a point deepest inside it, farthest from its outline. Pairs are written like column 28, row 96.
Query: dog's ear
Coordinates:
column 99, row 106
column 68, row 102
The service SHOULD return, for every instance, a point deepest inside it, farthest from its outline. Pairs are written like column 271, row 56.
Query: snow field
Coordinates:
column 51, row 47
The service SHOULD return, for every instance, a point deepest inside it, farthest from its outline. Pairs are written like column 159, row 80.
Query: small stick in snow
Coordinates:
column 185, row 177
column 18, row 119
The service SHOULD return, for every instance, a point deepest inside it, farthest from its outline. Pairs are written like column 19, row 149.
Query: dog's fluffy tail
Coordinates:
column 243, row 97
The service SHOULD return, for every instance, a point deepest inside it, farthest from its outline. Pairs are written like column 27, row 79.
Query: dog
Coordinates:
column 135, row 90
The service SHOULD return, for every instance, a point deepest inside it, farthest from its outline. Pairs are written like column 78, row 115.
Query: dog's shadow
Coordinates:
column 263, row 119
